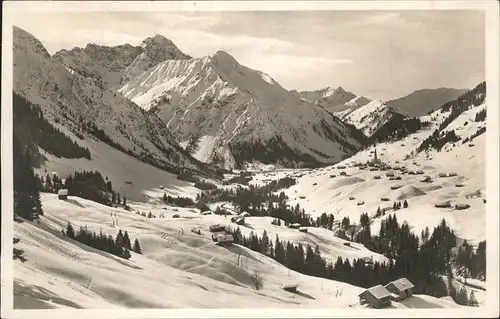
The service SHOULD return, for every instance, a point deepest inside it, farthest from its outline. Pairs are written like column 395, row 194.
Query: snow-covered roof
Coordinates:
column 377, row 291
column 62, row 192
column 401, row 284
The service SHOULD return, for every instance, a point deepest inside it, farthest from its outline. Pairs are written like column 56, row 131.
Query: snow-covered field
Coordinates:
column 325, row 191
column 130, row 177
column 177, row 268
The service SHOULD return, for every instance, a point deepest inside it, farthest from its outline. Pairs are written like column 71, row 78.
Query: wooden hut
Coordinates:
column 443, row 205
column 62, row 194
column 294, row 226
column 462, row 206
column 377, row 297
column 290, row 287
column 224, row 239
column 402, row 287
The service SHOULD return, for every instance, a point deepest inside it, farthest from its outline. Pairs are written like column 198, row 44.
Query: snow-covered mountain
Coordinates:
column 420, row 102
column 78, row 101
column 112, row 65
column 227, row 113
column 335, row 100
column 372, row 116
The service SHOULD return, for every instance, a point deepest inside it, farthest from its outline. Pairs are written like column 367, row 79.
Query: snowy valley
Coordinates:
column 229, row 187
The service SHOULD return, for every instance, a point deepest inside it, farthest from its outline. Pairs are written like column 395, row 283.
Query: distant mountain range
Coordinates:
column 421, row 102
column 167, row 108
column 149, row 100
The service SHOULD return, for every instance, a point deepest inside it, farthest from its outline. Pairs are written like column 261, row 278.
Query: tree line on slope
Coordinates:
column 31, row 128
column 474, row 97
column 120, row 246
column 27, row 202
column 423, row 262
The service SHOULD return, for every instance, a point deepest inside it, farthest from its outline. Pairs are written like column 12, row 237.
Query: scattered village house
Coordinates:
column 402, row 287
column 290, row 287
column 62, row 194
column 224, row 239
column 377, row 297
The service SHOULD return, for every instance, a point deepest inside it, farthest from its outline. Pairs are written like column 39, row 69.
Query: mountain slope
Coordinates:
column 420, row 102
column 83, row 107
column 372, row 117
column 337, row 101
column 243, row 114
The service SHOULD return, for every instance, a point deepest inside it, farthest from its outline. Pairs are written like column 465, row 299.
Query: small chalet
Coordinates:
column 443, row 205
column 377, row 297
column 294, row 226
column 224, row 240
column 62, row 194
column 395, row 187
column 290, row 287
column 216, row 228
column 427, row 179
column 303, row 229
column 402, row 287
column 462, row 206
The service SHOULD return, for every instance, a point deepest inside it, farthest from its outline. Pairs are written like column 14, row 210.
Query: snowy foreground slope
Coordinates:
column 177, row 268
column 332, row 192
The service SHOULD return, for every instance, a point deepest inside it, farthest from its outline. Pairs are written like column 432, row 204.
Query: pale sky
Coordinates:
column 378, row 54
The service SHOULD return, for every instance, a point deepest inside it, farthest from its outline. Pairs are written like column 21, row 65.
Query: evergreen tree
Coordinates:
column 137, row 247
column 70, row 232
column 462, row 298
column 119, row 239
column 472, row 300
column 405, row 204
column 124, row 201
column 126, row 241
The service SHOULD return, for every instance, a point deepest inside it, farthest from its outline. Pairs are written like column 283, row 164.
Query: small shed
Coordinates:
column 427, row 179
column 290, row 287
column 244, row 214
column 420, row 172
column 303, row 229
column 377, row 297
column 389, row 174
column 216, row 228
column 443, row 205
column 402, row 287
column 351, row 197
column 443, row 175
column 294, row 226
column 384, row 199
column 224, row 239
column 161, row 187
column 393, row 187
column 240, row 221
column 452, row 174
column 376, row 177
column 360, row 203
column 62, row 194
column 459, row 185
column 462, row 206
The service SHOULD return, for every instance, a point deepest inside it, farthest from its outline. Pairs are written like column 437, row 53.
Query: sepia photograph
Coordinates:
column 250, row 159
